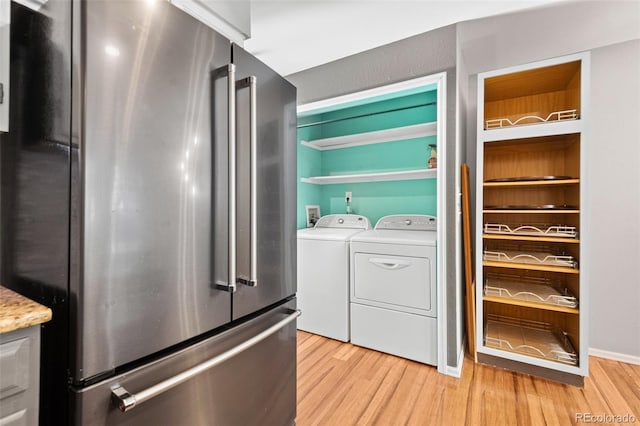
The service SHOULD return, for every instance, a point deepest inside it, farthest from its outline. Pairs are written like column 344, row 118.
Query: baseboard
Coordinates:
column 457, row 371
column 615, row 356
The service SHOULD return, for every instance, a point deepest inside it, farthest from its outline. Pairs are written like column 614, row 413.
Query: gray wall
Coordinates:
column 422, row 55
column 614, row 201
column 613, row 182
column 417, row 56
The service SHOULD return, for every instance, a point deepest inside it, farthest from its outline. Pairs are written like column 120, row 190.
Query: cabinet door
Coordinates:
column 5, row 33
column 19, row 376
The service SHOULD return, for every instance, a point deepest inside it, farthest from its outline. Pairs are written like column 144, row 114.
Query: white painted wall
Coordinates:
column 610, row 30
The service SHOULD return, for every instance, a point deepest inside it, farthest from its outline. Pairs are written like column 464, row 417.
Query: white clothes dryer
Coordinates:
column 323, row 274
column 393, row 287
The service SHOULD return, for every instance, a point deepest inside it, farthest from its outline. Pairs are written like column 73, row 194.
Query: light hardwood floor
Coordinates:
column 342, row 384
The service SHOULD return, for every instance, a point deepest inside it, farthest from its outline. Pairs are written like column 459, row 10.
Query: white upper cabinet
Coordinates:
column 230, row 18
column 5, row 33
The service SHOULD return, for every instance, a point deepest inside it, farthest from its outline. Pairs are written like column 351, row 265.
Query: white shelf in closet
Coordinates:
column 372, row 177
column 378, row 136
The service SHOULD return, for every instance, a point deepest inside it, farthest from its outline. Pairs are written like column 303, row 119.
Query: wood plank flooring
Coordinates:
column 342, row 384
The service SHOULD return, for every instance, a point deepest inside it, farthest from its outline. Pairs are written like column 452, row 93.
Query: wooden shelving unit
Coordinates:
column 531, row 174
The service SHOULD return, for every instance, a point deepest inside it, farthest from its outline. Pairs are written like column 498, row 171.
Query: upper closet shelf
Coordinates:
column 372, row 177
column 378, row 136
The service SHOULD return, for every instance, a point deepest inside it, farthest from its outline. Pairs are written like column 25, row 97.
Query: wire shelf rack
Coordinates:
column 548, row 259
column 498, row 123
column 529, row 289
column 535, row 230
column 533, row 338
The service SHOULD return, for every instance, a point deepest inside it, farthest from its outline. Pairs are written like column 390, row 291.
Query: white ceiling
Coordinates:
column 293, row 35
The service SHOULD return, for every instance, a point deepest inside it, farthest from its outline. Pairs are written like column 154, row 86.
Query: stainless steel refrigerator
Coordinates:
column 148, row 198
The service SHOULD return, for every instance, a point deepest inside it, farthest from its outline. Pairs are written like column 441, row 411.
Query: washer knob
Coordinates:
column 340, row 221
column 407, row 222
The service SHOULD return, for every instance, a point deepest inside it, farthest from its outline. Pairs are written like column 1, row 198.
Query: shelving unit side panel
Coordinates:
column 579, row 154
column 572, row 157
column 479, row 276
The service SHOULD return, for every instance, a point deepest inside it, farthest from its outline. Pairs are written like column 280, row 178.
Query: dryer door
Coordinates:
column 399, row 282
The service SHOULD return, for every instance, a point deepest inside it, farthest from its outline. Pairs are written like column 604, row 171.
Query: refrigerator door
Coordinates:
column 146, row 152
column 274, row 271
column 255, row 387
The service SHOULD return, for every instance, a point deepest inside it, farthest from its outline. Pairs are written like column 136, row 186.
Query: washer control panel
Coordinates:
column 354, row 221
column 410, row 222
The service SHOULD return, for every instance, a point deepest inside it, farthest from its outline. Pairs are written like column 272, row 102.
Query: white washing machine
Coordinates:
column 393, row 287
column 323, row 274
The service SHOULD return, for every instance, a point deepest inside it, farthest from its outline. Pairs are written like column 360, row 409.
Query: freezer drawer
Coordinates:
column 398, row 333
column 396, row 282
column 255, row 387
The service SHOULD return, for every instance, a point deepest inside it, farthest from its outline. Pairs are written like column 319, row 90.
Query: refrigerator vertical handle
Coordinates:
column 251, row 83
column 230, row 72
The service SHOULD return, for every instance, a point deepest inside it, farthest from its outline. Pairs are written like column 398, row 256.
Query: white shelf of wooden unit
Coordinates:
column 534, row 130
column 378, row 136
column 372, row 177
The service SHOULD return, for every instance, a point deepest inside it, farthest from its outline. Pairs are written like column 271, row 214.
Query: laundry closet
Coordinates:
column 374, row 154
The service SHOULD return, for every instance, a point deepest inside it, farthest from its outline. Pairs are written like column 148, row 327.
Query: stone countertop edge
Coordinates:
column 17, row 311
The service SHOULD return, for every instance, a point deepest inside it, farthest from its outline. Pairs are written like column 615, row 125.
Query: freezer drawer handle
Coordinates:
column 127, row 401
column 251, row 83
column 389, row 263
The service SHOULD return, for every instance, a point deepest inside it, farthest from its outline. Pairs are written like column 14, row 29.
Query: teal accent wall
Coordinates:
column 309, row 164
column 371, row 199
column 377, row 199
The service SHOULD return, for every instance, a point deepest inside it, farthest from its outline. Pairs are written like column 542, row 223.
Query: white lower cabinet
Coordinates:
column 19, row 376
